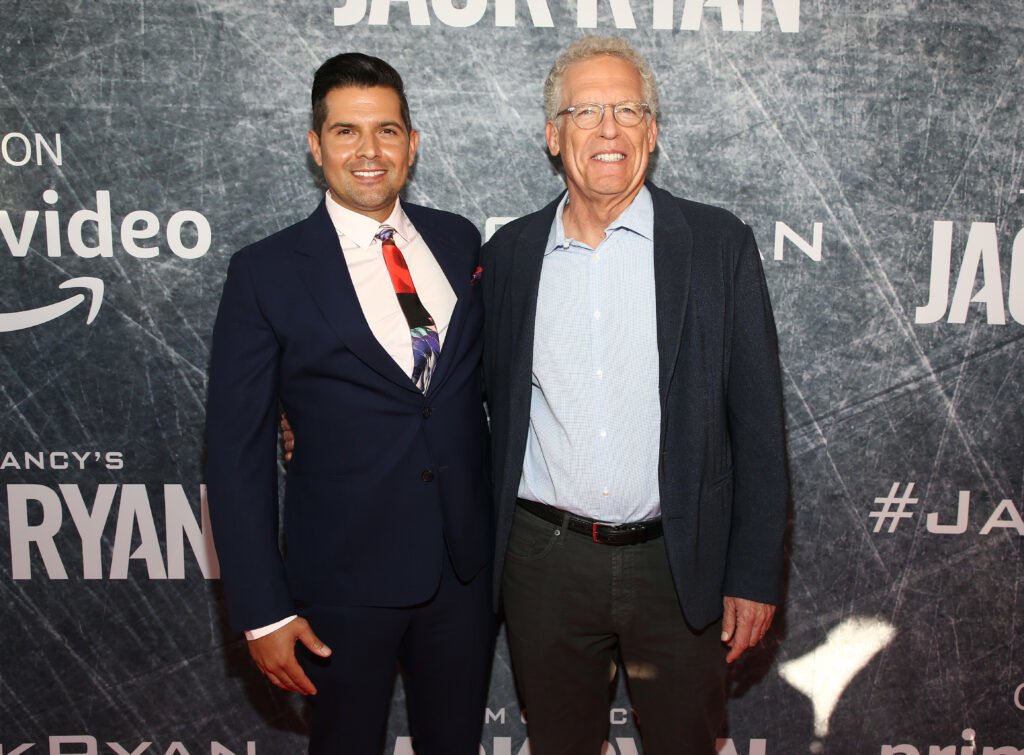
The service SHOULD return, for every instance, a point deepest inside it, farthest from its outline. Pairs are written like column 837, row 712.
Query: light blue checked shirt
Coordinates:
column 595, row 415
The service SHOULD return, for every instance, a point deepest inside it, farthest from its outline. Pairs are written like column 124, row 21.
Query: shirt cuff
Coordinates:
column 255, row 634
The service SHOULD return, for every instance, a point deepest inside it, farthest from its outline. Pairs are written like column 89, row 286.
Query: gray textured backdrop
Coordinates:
column 876, row 119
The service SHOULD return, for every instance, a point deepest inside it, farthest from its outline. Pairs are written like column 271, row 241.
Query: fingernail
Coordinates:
column 725, row 636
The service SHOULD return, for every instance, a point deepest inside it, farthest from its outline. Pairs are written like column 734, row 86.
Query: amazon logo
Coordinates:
column 29, row 318
column 90, row 232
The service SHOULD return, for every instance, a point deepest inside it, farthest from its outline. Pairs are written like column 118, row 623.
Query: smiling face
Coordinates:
column 364, row 149
column 607, row 163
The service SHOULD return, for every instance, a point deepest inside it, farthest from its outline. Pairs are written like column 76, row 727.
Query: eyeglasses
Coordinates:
column 588, row 115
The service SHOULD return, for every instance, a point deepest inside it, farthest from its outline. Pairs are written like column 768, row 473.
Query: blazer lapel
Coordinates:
column 520, row 306
column 527, row 262
column 673, row 256
column 330, row 285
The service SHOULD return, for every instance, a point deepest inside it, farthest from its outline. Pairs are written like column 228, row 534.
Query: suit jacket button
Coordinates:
column 427, row 475
column 427, row 411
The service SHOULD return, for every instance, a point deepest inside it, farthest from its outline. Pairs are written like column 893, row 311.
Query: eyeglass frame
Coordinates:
column 571, row 112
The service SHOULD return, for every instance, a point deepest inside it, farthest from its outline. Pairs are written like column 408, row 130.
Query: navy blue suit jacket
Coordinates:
column 722, row 474
column 384, row 479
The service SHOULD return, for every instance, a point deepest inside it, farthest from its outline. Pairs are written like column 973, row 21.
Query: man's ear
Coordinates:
column 414, row 144
column 551, row 137
column 314, row 147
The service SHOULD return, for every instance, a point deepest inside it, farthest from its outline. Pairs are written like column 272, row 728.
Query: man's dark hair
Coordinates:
column 353, row 69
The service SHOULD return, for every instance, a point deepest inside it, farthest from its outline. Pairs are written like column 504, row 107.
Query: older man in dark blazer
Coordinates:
column 363, row 323
column 637, row 429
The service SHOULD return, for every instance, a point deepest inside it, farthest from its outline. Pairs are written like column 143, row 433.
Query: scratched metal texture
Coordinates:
column 876, row 119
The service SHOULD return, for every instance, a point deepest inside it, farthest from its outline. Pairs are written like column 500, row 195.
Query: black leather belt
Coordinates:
column 600, row 532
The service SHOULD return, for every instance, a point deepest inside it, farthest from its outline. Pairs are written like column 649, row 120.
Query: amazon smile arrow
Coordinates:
column 31, row 317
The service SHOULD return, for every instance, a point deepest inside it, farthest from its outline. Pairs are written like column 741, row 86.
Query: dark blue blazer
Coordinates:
column 722, row 474
column 384, row 480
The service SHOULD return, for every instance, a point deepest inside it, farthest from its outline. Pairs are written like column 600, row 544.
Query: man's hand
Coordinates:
column 287, row 439
column 274, row 653
column 744, row 624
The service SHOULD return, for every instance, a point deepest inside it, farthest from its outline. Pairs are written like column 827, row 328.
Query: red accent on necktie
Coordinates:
column 397, row 269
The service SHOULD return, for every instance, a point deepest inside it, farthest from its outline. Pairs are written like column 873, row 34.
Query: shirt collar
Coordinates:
column 361, row 229
column 637, row 218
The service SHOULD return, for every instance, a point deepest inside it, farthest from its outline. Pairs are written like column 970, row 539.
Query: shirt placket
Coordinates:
column 599, row 408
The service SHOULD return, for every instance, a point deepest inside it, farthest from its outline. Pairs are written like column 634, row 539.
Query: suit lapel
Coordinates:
column 673, row 256
column 330, row 285
column 453, row 264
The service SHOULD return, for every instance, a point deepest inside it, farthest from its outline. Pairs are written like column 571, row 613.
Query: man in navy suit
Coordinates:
column 363, row 324
column 637, row 428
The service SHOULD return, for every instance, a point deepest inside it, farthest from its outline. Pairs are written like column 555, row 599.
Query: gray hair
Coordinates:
column 594, row 47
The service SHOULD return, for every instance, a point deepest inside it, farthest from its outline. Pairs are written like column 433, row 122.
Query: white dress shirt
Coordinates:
column 373, row 285
column 376, row 293
column 593, row 443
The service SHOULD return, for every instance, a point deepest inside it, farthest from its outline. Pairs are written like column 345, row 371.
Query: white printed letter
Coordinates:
column 622, row 14
column 693, row 12
column 783, row 233
column 960, row 527
column 104, row 232
column 42, row 534
column 90, row 525
column 135, row 510
column 938, row 287
column 1013, row 522
column 350, row 13
column 1016, row 296
column 449, row 15
column 418, row 15
column 181, row 523
column 982, row 250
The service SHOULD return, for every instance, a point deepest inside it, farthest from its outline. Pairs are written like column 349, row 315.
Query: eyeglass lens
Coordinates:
column 589, row 115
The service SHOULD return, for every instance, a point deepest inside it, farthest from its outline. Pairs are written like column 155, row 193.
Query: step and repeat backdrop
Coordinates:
column 876, row 148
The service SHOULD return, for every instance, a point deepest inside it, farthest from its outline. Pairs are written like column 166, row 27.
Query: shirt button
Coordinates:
column 599, row 374
column 604, row 492
column 427, row 411
column 597, row 315
column 603, row 433
column 427, row 475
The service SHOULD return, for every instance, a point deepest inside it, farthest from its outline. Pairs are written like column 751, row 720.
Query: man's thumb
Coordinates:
column 313, row 643
column 728, row 624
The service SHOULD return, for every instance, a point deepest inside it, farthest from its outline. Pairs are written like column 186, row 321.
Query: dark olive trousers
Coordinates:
column 576, row 611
